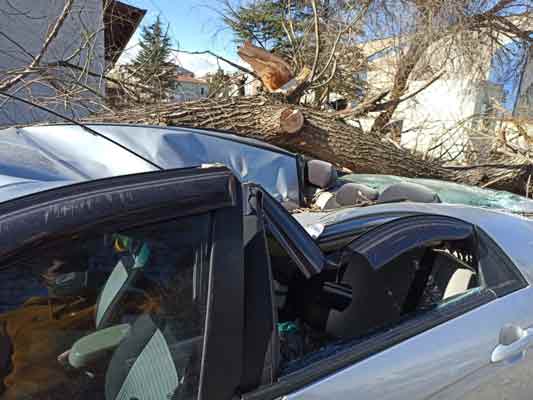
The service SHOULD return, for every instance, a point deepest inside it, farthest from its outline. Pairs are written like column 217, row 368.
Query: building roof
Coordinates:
column 120, row 21
column 188, row 79
column 183, row 71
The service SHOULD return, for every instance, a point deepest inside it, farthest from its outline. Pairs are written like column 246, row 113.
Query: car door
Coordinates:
column 471, row 347
column 183, row 320
column 466, row 347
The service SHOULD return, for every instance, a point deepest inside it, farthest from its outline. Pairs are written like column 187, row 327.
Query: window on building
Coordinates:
column 507, row 68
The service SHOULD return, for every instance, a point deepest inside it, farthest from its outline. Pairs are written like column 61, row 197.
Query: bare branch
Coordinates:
column 49, row 38
column 317, row 40
column 234, row 65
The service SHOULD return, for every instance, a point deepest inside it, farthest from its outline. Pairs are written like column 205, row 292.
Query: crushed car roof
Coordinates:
column 37, row 158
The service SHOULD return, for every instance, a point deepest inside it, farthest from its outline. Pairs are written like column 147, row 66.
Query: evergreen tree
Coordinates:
column 261, row 22
column 151, row 64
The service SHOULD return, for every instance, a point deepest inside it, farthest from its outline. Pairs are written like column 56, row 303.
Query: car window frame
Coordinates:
column 404, row 233
column 127, row 202
column 289, row 233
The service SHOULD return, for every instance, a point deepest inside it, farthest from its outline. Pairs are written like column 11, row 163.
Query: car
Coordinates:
column 35, row 158
column 197, row 282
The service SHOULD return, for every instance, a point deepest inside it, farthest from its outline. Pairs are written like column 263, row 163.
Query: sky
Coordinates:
column 194, row 25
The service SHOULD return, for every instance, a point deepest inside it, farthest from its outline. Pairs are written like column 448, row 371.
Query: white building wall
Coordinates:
column 187, row 91
column 27, row 22
column 442, row 118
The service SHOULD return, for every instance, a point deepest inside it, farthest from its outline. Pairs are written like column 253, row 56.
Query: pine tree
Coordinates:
column 261, row 22
column 151, row 64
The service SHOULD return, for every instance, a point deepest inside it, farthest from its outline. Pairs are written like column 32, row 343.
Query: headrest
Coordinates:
column 355, row 193
column 406, row 191
column 134, row 253
column 321, row 174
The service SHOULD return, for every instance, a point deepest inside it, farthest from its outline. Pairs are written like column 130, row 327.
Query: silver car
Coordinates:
column 129, row 270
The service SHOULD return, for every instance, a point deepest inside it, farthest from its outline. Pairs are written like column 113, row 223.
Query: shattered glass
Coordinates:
column 450, row 192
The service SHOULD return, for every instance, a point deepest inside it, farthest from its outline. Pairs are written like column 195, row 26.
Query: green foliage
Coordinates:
column 155, row 44
column 262, row 22
column 151, row 62
column 217, row 81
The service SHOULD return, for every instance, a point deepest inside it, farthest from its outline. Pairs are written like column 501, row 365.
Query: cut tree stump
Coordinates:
column 291, row 120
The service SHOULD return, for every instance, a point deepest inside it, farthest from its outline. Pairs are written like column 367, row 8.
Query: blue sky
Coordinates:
column 194, row 26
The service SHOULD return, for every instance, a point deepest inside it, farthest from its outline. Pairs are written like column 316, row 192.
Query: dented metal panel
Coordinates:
column 33, row 157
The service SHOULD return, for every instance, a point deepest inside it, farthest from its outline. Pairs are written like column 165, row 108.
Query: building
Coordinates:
column 190, row 88
column 524, row 101
column 89, row 42
column 186, row 86
column 452, row 116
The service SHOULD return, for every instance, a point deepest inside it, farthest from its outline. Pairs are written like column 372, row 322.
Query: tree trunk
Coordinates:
column 322, row 136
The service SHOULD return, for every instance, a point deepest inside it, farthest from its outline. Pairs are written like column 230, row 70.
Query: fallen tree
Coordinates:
column 325, row 136
column 313, row 54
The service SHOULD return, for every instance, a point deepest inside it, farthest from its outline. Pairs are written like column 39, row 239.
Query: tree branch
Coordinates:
column 234, row 65
column 49, row 38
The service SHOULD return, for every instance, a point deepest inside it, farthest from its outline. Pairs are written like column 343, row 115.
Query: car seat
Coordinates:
column 108, row 331
column 407, row 191
column 127, row 271
column 152, row 363
column 450, row 276
column 377, row 296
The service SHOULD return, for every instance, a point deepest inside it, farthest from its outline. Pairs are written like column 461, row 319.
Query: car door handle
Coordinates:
column 514, row 341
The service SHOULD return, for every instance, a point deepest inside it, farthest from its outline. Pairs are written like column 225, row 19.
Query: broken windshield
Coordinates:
column 450, row 192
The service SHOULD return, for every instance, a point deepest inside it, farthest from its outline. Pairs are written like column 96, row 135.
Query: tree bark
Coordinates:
column 322, row 136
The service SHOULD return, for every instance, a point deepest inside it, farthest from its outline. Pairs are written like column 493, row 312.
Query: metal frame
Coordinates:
column 289, row 233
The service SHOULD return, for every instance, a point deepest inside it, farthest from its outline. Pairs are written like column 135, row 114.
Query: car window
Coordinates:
column 370, row 292
column 107, row 314
column 498, row 271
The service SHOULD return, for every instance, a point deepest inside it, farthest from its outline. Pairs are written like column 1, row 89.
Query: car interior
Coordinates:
column 352, row 301
column 125, row 325
column 317, row 317
column 323, row 190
